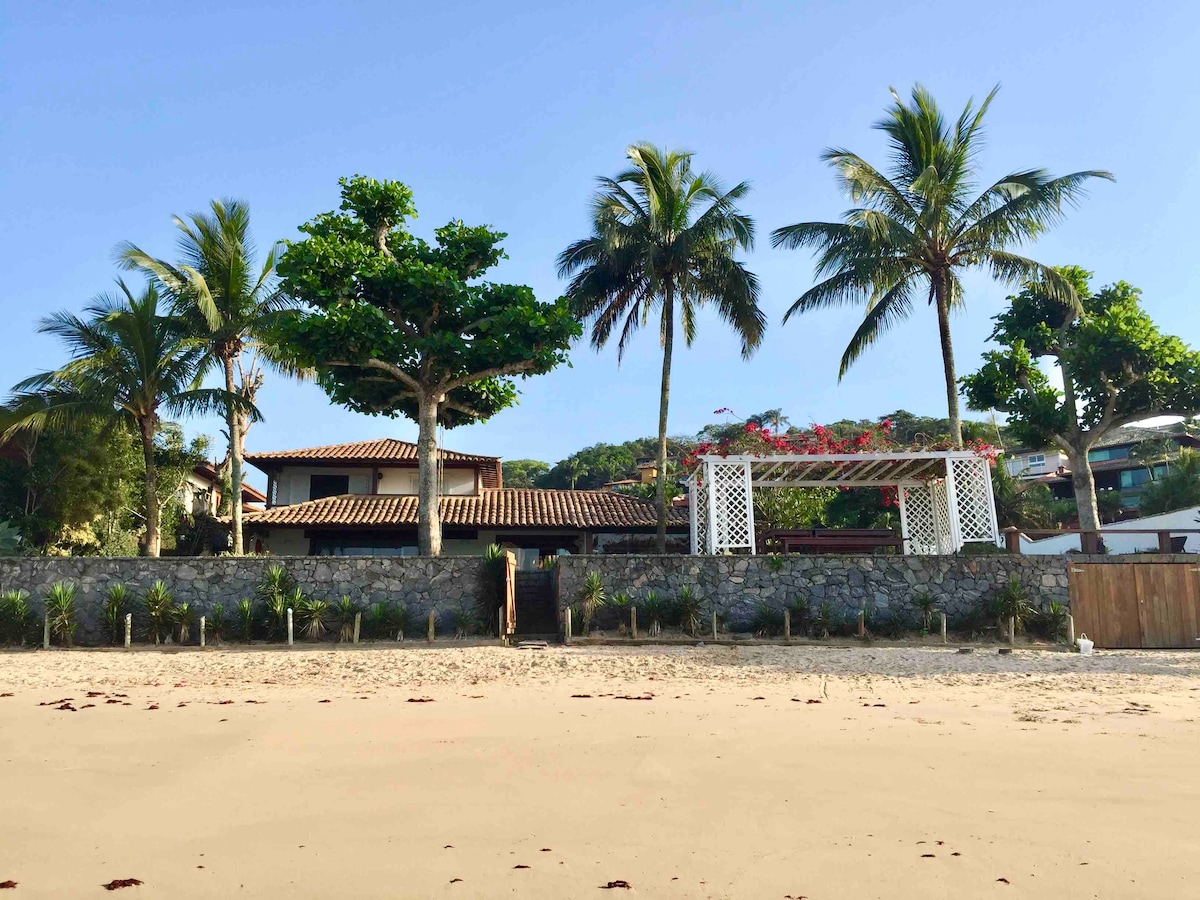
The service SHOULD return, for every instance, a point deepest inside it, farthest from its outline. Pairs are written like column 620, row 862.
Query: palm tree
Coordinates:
column 663, row 240
column 129, row 364
column 218, row 291
column 914, row 229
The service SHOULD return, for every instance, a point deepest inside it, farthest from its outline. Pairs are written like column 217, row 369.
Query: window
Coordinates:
column 1036, row 459
column 1108, row 453
column 327, row 486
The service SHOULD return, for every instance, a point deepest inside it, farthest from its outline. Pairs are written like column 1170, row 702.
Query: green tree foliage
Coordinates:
column 1177, row 488
column 129, row 364
column 1117, row 368
column 916, row 227
column 398, row 326
column 663, row 242
column 791, row 507
column 229, row 302
column 1020, row 503
column 523, row 473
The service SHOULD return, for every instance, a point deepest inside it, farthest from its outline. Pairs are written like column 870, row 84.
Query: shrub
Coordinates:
column 925, row 605
column 689, row 610
column 767, row 621
column 117, row 600
column 160, row 610
column 276, row 589
column 824, row 621
column 388, row 621
column 216, row 623
column 10, row 539
column 16, row 617
column 60, row 607
column 491, row 594
column 1051, row 621
column 181, row 615
column 1012, row 602
column 802, row 616
column 774, row 562
column 344, row 612
column 311, row 614
column 591, row 598
column 464, row 621
column 244, row 616
column 654, row 611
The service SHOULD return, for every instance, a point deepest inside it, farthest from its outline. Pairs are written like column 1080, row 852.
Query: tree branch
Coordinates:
column 463, row 408
column 393, row 370
column 495, row 371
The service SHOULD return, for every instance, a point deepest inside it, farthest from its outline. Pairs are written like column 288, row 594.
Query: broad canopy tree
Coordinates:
column 398, row 326
column 1116, row 366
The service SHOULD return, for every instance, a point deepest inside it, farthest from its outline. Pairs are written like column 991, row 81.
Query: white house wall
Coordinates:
column 1125, row 543
column 455, row 482
column 294, row 481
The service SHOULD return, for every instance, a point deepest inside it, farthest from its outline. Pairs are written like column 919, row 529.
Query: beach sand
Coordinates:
column 751, row 772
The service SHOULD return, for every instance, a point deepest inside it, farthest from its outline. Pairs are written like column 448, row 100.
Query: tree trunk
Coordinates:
column 942, row 301
column 1085, row 491
column 664, row 398
column 234, row 422
column 429, row 521
column 153, row 539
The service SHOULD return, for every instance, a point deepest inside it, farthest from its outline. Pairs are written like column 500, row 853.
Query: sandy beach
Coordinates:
column 684, row 772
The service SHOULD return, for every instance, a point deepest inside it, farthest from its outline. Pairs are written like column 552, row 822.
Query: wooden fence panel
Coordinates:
column 1132, row 605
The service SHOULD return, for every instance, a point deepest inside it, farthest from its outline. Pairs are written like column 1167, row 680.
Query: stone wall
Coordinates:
column 421, row 583
column 736, row 585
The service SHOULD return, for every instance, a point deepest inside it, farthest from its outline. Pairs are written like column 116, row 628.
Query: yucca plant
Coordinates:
column 160, row 610
column 216, row 623
column 802, row 616
column 926, row 605
column 275, row 606
column 401, row 620
column 1051, row 621
column 244, row 616
column 117, row 600
column 344, row 612
column 15, row 616
column 60, row 606
column 591, row 598
column 767, row 621
column 654, row 611
column 275, row 583
column 181, row 615
column 689, row 608
column 824, row 621
column 463, row 621
column 312, row 613
column 1012, row 602
column 377, row 621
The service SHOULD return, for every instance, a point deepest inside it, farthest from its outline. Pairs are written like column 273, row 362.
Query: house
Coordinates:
column 1125, row 460
column 201, row 492
column 359, row 499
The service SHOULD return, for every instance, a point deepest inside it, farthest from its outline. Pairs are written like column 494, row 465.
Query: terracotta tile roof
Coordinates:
column 502, row 508
column 383, row 451
column 250, row 494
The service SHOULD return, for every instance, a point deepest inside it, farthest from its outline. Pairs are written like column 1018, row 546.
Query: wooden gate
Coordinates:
column 1140, row 605
column 508, row 623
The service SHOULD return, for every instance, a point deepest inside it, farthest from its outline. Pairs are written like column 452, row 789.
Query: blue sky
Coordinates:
column 115, row 116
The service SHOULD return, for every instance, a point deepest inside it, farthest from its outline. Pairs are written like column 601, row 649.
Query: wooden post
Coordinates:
column 289, row 626
column 357, row 626
column 943, row 628
column 1164, row 542
column 1089, row 542
column 787, row 625
column 1070, row 631
column 502, row 626
column 430, row 633
column 46, row 631
column 633, row 621
column 202, row 632
column 1012, row 631
column 714, row 625
column 862, row 623
column 128, row 630
column 567, row 625
column 1012, row 539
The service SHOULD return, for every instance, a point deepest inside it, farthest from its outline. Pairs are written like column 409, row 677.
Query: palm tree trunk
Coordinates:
column 234, row 422
column 664, row 398
column 153, row 539
column 429, row 522
column 942, row 301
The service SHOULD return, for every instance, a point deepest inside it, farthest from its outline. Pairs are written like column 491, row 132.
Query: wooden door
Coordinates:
column 1104, row 604
column 509, row 625
column 1168, row 605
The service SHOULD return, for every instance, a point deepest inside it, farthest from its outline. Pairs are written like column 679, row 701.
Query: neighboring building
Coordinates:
column 1115, row 461
column 201, row 492
column 359, row 499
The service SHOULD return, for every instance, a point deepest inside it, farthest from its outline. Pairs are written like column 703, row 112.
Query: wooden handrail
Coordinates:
column 1089, row 539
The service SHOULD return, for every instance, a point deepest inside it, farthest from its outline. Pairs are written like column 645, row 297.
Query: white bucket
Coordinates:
column 1085, row 645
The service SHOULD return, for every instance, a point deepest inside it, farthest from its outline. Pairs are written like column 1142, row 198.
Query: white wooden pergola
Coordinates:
column 944, row 497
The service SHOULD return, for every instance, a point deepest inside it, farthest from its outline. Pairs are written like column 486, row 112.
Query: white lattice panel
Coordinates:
column 699, row 513
column 943, row 534
column 733, row 523
column 926, row 519
column 973, row 500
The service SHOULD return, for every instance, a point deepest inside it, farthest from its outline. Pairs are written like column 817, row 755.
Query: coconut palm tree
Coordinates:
column 217, row 289
column 916, row 227
column 663, row 241
column 129, row 365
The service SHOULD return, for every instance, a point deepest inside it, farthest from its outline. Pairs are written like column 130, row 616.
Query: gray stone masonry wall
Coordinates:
column 421, row 583
column 737, row 584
